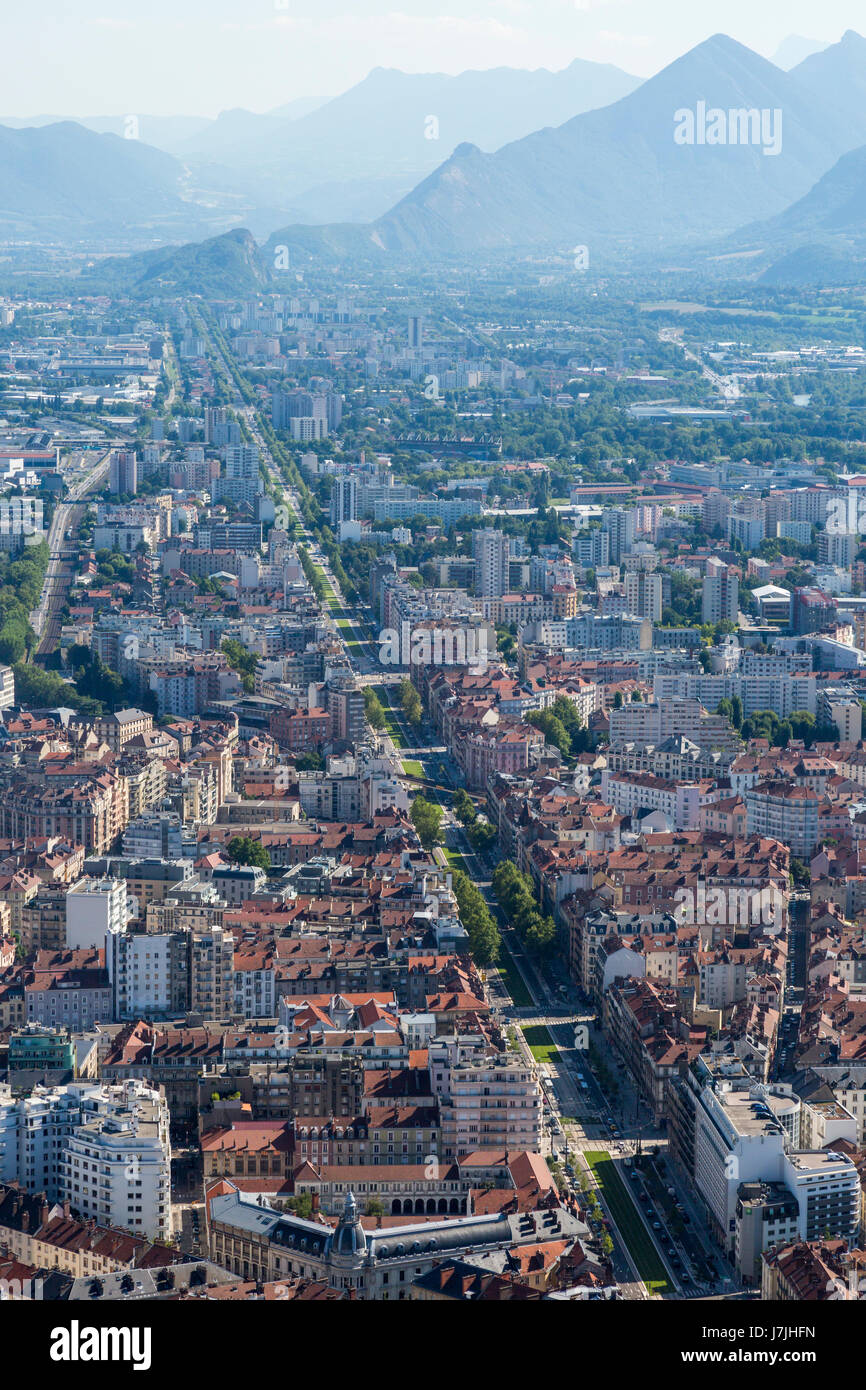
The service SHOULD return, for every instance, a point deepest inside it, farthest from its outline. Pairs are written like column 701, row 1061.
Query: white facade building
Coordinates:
column 105, row 1149
column 750, row 1135
column 94, row 907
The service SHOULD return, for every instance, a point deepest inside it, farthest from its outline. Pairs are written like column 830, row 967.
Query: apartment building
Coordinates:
column 95, row 907
column 105, row 1149
column 780, row 811
column 485, row 1102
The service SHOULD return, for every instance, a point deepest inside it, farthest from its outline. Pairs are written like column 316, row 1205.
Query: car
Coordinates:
column 642, row 1197
column 634, row 1175
column 657, row 1225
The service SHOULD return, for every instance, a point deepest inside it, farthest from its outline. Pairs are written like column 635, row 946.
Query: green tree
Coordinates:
column 464, row 807
column 309, row 762
column 410, row 702
column 241, row 849
column 553, row 729
column 481, row 835
column 242, row 661
column 427, row 820
column 373, row 709
column 481, row 929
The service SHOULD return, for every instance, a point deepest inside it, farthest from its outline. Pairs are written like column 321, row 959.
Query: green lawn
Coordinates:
column 456, row 861
column 347, row 630
column 541, row 1044
column 619, row 1203
column 513, row 979
column 390, row 723
column 413, row 768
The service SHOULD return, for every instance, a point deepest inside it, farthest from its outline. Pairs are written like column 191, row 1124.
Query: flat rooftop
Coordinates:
column 747, row 1112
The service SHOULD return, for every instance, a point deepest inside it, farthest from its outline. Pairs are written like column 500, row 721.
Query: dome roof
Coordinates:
column 349, row 1237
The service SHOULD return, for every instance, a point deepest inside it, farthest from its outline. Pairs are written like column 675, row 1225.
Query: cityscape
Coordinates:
column 432, row 682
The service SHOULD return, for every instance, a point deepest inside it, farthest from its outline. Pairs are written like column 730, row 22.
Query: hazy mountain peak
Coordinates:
column 618, row 173
column 466, row 150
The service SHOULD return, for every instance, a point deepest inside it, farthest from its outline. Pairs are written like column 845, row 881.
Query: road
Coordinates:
column 727, row 387
column 45, row 618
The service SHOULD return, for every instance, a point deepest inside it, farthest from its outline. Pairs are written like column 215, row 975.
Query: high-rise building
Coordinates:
column 812, row 611
column 307, row 428
column 837, row 548
column 839, row 705
column 123, row 472
column 7, row 687
column 591, row 549
column 216, row 419
column 643, row 595
column 344, row 501
column 747, row 1133
column 486, row 1102
column 155, row 835
column 747, row 524
column 242, row 461
column 491, row 551
column 721, row 593
column 618, row 522
column 415, row 331
column 346, row 708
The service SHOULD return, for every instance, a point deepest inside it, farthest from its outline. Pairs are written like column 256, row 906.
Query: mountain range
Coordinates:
column 667, row 165
column 618, row 175
column 354, row 156
column 61, row 180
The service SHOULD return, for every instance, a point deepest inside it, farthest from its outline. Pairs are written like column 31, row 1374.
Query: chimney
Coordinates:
column 43, row 1213
column 66, row 1207
column 25, row 1221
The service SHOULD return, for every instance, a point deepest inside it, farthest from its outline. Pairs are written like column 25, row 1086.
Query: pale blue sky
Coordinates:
column 197, row 57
